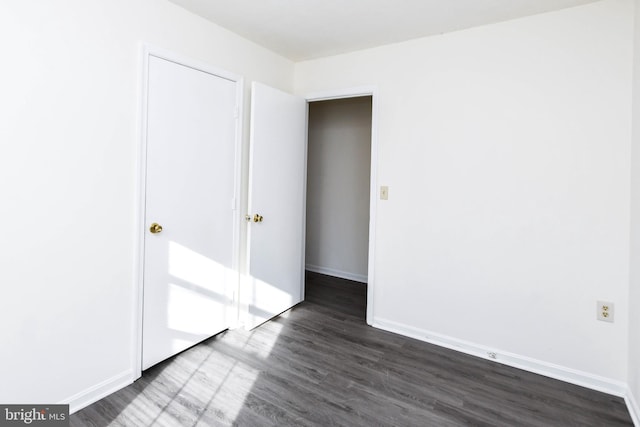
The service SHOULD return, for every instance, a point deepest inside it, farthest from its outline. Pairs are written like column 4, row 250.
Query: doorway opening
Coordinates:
column 338, row 200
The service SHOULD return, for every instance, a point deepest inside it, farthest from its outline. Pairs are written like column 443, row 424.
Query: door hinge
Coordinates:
column 236, row 113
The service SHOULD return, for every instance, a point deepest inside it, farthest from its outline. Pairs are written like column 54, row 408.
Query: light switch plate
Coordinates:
column 384, row 192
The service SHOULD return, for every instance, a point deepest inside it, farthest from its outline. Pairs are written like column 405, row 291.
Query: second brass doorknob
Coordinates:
column 155, row 228
column 255, row 218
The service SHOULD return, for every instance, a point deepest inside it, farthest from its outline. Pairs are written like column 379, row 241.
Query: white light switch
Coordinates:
column 384, row 193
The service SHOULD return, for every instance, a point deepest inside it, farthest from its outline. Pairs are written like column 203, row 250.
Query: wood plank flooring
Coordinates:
column 320, row 365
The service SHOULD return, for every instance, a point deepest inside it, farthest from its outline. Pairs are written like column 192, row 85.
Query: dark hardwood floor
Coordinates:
column 320, row 365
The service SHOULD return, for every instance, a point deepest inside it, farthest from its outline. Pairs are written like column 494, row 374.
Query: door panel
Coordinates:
column 188, row 269
column 276, row 192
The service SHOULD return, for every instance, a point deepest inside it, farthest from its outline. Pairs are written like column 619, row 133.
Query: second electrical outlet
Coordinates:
column 605, row 311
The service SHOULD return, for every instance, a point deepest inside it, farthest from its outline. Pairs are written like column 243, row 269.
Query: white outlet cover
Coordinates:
column 605, row 311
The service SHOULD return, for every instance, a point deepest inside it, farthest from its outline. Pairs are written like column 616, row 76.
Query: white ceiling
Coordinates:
column 306, row 29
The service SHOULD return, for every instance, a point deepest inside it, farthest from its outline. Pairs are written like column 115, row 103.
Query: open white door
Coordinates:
column 276, row 203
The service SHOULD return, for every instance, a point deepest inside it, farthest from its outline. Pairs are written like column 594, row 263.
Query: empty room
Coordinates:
column 355, row 213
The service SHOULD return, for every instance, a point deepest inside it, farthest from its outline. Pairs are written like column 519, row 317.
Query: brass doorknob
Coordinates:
column 255, row 218
column 155, row 228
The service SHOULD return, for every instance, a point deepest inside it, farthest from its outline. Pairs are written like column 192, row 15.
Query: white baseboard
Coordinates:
column 573, row 376
column 337, row 273
column 634, row 409
column 98, row 391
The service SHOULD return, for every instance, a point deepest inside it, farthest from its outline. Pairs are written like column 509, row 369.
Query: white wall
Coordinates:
column 338, row 171
column 510, row 141
column 506, row 149
column 634, row 284
column 68, row 148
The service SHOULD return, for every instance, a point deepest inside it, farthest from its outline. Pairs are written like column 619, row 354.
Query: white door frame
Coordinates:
column 371, row 91
column 147, row 51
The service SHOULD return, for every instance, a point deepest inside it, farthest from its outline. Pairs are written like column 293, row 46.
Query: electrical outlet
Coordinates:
column 605, row 311
column 384, row 193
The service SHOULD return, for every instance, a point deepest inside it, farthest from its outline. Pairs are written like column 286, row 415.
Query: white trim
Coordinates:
column 158, row 52
column 353, row 92
column 234, row 296
column 337, row 273
column 632, row 406
column 373, row 182
column 303, row 259
column 373, row 197
column 562, row 373
column 138, row 300
column 98, row 391
column 141, row 167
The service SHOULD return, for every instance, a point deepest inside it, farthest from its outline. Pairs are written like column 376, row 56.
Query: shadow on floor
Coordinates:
column 319, row 364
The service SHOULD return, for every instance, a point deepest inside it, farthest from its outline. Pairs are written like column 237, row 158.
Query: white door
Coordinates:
column 276, row 195
column 190, row 169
